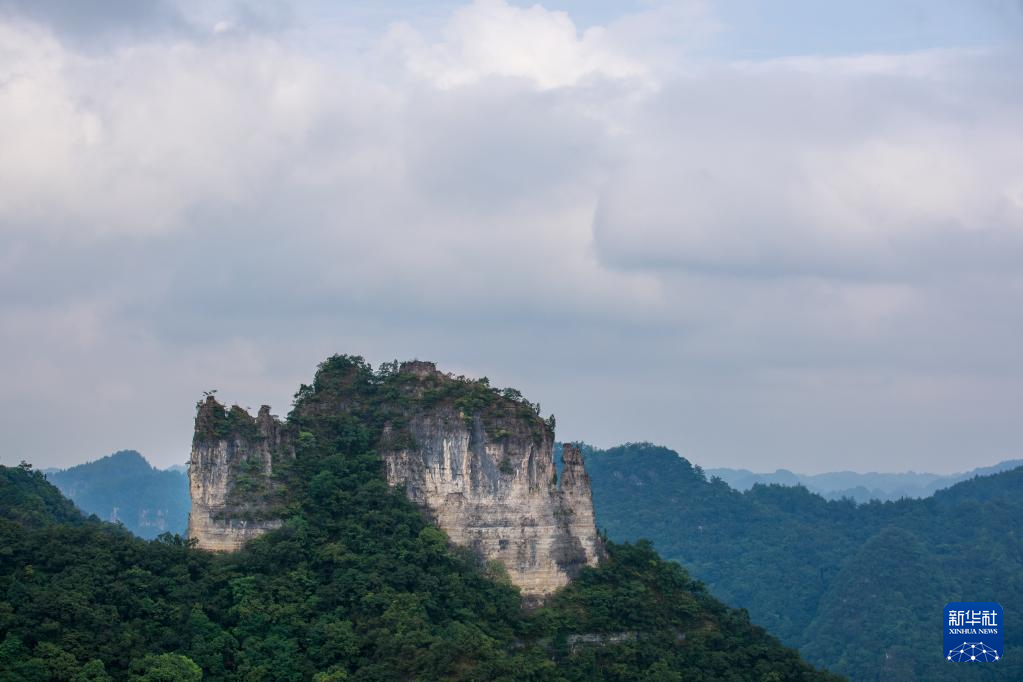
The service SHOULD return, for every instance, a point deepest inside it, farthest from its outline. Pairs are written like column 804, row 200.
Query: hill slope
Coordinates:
column 125, row 487
column 857, row 588
column 26, row 499
column 356, row 585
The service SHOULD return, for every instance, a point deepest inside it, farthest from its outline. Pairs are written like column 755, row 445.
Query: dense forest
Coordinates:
column 124, row 487
column 356, row 585
column 858, row 588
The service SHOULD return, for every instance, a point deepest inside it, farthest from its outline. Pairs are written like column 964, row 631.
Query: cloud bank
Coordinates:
column 808, row 261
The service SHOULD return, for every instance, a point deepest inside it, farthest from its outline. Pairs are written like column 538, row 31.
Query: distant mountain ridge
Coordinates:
column 124, row 487
column 861, row 487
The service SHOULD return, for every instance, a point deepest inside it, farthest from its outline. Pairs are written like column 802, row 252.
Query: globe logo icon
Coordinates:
column 972, row 652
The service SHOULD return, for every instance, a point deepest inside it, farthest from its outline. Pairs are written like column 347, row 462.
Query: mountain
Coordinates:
column 860, row 487
column 357, row 583
column 857, row 588
column 479, row 462
column 124, row 487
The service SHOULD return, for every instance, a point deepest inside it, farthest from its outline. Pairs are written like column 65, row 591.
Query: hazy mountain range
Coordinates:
column 125, row 488
column 857, row 486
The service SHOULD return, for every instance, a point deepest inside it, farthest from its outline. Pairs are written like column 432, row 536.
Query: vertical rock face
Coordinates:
column 479, row 462
column 490, row 482
column 229, row 475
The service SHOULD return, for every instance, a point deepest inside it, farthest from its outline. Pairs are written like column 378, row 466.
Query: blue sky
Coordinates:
column 768, row 28
column 758, row 29
column 766, row 234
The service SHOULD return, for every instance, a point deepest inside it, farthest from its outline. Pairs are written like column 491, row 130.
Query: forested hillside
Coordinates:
column 858, row 588
column 124, row 487
column 355, row 585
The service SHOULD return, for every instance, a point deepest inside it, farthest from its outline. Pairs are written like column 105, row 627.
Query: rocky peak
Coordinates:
column 478, row 461
column 208, row 416
column 230, row 474
column 573, row 472
column 418, row 368
column 480, row 464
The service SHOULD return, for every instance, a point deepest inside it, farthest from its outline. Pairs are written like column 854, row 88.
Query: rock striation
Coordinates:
column 478, row 462
column 229, row 474
column 493, row 487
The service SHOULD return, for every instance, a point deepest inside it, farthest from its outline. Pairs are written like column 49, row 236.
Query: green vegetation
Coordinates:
column 217, row 422
column 356, row 585
column 124, row 487
column 858, row 588
column 27, row 501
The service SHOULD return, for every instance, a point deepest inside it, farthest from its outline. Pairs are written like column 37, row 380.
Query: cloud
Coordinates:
column 85, row 23
column 885, row 166
column 131, row 141
column 655, row 246
column 492, row 38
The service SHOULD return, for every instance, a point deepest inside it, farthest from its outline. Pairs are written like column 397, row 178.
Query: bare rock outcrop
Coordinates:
column 489, row 480
column 479, row 462
column 229, row 474
column 499, row 495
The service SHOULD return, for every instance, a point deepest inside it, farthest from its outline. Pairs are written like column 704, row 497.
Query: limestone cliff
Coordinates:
column 479, row 462
column 230, row 474
column 489, row 480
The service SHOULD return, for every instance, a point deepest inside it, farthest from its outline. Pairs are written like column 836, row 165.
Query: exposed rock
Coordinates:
column 478, row 462
column 599, row 639
column 490, row 482
column 230, row 451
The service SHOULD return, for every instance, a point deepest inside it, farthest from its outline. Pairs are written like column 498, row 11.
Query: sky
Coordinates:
column 763, row 233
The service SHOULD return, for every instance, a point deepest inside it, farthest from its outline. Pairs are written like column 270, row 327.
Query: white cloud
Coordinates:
column 638, row 239
column 492, row 38
column 851, row 170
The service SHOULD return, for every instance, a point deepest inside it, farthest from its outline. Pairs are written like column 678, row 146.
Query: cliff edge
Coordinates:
column 478, row 462
column 230, row 474
column 488, row 479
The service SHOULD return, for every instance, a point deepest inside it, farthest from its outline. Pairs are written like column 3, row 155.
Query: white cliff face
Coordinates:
column 487, row 477
column 492, row 487
column 218, row 521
